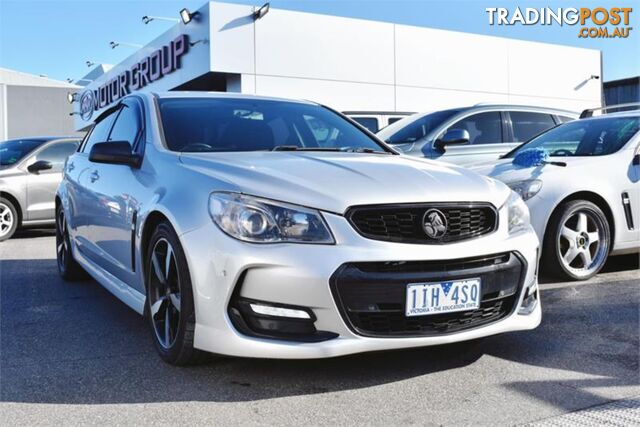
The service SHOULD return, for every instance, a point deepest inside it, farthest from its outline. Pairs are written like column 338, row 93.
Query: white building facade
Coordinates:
column 348, row 64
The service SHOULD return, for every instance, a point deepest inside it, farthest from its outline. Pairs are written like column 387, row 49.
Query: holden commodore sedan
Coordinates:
column 262, row 227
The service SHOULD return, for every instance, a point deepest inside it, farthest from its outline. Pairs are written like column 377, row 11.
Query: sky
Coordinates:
column 56, row 37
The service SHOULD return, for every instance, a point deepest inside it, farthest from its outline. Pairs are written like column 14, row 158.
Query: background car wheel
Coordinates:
column 577, row 243
column 68, row 267
column 8, row 219
column 169, row 306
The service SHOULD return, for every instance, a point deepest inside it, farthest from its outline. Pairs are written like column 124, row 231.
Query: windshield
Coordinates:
column 14, row 150
column 411, row 129
column 236, row 124
column 597, row 137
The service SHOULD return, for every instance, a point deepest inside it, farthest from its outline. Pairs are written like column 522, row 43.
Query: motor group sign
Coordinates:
column 153, row 67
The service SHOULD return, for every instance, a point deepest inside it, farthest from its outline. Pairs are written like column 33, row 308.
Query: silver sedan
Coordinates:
column 30, row 171
column 262, row 227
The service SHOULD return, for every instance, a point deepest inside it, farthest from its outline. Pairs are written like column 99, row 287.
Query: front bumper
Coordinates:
column 300, row 275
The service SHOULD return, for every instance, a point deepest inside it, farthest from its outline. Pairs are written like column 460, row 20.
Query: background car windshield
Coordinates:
column 14, row 150
column 411, row 129
column 585, row 137
column 217, row 125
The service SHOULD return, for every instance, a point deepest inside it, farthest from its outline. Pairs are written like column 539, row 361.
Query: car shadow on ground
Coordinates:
column 76, row 343
column 28, row 233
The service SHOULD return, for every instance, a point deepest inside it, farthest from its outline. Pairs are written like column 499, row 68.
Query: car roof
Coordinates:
column 224, row 95
column 43, row 138
column 517, row 106
column 633, row 113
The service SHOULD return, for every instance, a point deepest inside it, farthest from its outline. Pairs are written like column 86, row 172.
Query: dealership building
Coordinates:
column 32, row 105
column 348, row 64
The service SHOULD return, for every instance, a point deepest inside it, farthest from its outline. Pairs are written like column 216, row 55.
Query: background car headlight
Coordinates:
column 257, row 220
column 526, row 189
column 518, row 213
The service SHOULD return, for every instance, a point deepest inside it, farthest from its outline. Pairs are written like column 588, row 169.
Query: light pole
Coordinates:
column 115, row 44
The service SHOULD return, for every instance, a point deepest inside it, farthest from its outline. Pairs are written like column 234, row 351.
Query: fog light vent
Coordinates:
column 269, row 310
column 277, row 321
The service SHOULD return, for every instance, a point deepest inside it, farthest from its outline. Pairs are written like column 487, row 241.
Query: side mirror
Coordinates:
column 40, row 165
column 452, row 137
column 114, row 152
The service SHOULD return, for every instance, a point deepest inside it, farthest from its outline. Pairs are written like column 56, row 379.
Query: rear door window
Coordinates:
column 528, row 124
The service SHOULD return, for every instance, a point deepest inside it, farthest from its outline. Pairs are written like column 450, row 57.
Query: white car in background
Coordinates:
column 583, row 192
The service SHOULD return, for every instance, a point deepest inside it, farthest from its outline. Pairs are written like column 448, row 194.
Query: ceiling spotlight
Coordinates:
column 113, row 45
column 187, row 16
column 69, row 80
column 594, row 77
column 264, row 9
column 90, row 64
column 71, row 97
column 146, row 19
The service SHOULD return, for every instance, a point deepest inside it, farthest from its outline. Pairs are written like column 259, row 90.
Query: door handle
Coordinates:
column 94, row 176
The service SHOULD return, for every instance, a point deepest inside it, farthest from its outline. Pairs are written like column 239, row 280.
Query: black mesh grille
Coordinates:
column 371, row 295
column 403, row 223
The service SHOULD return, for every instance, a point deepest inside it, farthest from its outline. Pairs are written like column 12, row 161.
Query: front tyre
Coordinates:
column 8, row 219
column 577, row 244
column 169, row 303
column 68, row 267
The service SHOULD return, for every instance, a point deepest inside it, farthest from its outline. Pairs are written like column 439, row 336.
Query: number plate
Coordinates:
column 443, row 297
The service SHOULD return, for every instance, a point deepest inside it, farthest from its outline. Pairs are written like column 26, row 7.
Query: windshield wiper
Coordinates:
column 342, row 149
column 362, row 150
column 297, row 148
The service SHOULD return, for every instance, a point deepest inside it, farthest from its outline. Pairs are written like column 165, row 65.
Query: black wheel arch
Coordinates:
column 153, row 219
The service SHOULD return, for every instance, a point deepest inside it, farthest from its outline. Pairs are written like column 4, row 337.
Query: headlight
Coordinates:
column 264, row 221
column 526, row 189
column 518, row 213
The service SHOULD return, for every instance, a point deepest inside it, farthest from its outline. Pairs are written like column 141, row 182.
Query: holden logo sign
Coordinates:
column 86, row 105
column 434, row 224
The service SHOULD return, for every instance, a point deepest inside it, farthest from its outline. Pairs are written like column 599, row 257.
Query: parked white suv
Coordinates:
column 263, row 227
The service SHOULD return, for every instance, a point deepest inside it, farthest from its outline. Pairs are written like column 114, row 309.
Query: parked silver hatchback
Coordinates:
column 469, row 135
column 30, row 171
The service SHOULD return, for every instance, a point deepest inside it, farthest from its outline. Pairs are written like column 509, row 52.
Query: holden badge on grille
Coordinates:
column 434, row 224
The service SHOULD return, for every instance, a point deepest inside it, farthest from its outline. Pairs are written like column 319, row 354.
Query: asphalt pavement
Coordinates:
column 71, row 353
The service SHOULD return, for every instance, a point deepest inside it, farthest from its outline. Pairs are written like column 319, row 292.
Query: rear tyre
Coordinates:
column 68, row 267
column 169, row 305
column 8, row 219
column 577, row 241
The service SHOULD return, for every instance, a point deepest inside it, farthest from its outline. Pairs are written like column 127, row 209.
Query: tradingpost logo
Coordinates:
column 597, row 22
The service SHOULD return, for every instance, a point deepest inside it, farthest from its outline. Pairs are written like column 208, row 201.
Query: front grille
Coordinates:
column 404, row 223
column 371, row 295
